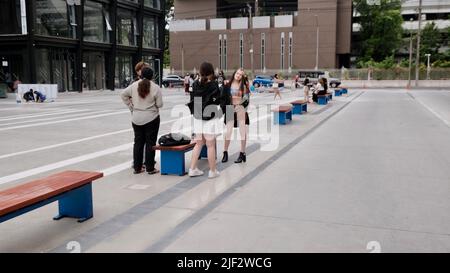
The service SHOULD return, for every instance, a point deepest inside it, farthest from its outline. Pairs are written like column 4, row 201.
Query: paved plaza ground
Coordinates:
column 370, row 166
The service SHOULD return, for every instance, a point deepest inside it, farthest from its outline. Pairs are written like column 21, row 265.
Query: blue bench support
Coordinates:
column 173, row 162
column 282, row 116
column 344, row 91
column 299, row 107
column 204, row 152
column 330, row 96
column 322, row 100
column 76, row 204
column 173, row 158
column 337, row 92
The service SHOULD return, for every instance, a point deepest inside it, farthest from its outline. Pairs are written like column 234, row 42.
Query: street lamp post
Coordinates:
column 418, row 44
column 251, row 39
column 410, row 58
column 317, row 42
column 428, row 65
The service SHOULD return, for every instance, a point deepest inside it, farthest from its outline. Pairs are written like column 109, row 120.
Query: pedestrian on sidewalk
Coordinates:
column 144, row 99
column 276, row 90
column 205, row 98
column 306, row 89
column 235, row 100
column 186, row 84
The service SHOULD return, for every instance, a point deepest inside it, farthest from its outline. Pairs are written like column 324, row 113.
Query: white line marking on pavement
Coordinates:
column 65, row 143
column 75, row 141
column 78, row 159
column 66, row 120
column 54, row 118
column 41, row 115
column 433, row 112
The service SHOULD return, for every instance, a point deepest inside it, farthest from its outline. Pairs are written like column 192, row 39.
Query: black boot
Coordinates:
column 225, row 157
column 242, row 157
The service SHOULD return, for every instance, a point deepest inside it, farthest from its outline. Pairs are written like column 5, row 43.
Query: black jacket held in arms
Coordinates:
column 202, row 96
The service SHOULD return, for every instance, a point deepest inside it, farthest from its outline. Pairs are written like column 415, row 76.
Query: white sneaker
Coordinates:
column 195, row 172
column 213, row 174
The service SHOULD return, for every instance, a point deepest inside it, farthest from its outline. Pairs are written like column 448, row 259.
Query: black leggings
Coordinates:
column 145, row 137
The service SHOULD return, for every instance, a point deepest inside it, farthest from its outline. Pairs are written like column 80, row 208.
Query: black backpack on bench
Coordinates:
column 173, row 139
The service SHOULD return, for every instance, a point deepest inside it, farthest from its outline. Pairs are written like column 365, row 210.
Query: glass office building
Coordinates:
column 80, row 45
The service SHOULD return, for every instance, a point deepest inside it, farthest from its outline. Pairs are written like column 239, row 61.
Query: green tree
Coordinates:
column 431, row 42
column 381, row 28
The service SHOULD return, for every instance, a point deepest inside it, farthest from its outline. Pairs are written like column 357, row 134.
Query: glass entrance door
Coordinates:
column 93, row 71
column 63, row 67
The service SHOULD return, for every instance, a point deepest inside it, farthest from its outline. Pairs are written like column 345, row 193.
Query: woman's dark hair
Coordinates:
column 306, row 81
column 206, row 71
column 244, row 86
column 144, row 84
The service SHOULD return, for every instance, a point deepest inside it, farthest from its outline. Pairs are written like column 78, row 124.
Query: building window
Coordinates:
column 241, row 50
column 96, row 22
column 10, row 18
column 126, row 28
column 55, row 18
column 156, row 4
column 263, row 51
column 290, row 51
column 151, row 32
column 282, row 52
column 124, row 71
column 224, row 51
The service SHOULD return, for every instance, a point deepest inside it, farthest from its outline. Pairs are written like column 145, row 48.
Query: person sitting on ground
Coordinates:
column 29, row 96
column 39, row 96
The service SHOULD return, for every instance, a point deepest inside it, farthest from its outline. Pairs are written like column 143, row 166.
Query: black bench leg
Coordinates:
column 76, row 204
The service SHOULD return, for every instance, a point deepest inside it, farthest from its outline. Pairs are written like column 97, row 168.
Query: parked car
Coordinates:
column 266, row 81
column 172, row 80
column 314, row 76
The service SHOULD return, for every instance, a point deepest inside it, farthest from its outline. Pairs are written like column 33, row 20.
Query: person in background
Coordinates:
column 138, row 69
column 29, row 96
column 276, row 90
column 306, row 89
column 186, row 84
column 320, row 89
column 144, row 99
column 205, row 98
column 221, row 78
column 39, row 96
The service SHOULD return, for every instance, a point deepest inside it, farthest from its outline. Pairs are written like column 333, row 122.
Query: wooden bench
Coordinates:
column 172, row 158
column 322, row 99
column 72, row 190
column 282, row 114
column 299, row 106
column 337, row 92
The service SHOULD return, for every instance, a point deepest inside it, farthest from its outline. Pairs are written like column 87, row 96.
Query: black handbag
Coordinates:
column 174, row 139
